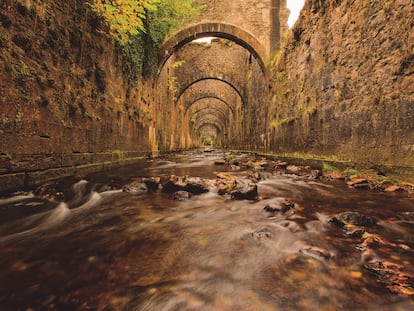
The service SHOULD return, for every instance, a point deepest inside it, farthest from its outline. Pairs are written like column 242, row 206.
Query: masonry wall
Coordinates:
column 266, row 20
column 65, row 104
column 343, row 85
column 229, row 64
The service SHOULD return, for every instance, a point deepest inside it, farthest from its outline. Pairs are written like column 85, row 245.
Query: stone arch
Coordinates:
column 183, row 90
column 210, row 123
column 216, row 98
column 201, row 90
column 211, row 111
column 213, row 29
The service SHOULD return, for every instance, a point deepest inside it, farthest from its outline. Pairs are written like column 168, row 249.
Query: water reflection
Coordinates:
column 104, row 249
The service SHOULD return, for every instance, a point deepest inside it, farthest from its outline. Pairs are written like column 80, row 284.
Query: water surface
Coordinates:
column 94, row 247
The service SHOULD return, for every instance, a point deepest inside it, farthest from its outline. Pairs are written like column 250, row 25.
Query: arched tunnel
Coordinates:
column 207, row 92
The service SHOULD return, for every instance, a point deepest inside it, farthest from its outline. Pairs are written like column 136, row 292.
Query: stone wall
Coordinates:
column 65, row 105
column 222, row 70
column 343, row 85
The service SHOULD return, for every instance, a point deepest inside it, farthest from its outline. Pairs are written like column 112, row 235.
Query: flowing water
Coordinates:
column 94, row 247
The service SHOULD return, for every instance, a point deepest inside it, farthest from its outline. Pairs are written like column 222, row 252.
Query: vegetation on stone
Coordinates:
column 127, row 19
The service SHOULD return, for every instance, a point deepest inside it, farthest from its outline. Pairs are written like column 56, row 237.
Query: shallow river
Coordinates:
column 83, row 244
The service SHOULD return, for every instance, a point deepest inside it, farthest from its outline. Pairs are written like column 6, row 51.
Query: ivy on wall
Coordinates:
column 140, row 27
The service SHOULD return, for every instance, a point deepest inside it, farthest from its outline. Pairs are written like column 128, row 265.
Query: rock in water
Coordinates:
column 244, row 191
column 352, row 218
column 172, row 184
column 220, row 162
column 135, row 188
column 196, row 188
column 181, row 195
column 152, row 183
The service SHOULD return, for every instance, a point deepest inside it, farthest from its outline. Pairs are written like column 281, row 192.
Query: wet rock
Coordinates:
column 315, row 174
column 286, row 205
column 392, row 275
column 262, row 234
column 271, row 209
column 394, row 188
column 370, row 240
column 257, row 165
column 152, row 183
column 333, row 175
column 244, row 191
column 304, row 171
column 225, row 183
column 280, row 207
column 233, row 161
column 280, row 165
column 181, row 195
column 293, row 169
column 172, row 184
column 225, row 189
column 264, row 163
column 135, row 187
column 196, row 188
column 353, row 231
column 353, row 218
column 220, row 162
column 359, row 183
column 49, row 191
column 255, row 177
column 225, row 176
column 259, row 168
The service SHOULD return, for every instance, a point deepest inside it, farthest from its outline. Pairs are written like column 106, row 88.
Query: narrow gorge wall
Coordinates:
column 343, row 85
column 66, row 103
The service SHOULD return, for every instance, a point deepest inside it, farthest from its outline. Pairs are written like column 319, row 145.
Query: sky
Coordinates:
column 294, row 6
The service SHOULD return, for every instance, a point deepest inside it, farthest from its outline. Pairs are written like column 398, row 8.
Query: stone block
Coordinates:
column 10, row 182
column 39, row 177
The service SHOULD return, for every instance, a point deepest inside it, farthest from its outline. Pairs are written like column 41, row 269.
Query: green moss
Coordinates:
column 329, row 168
column 349, row 171
column 19, row 117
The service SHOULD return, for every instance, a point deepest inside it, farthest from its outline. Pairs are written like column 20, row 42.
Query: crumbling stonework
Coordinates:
column 344, row 85
column 65, row 105
column 222, row 70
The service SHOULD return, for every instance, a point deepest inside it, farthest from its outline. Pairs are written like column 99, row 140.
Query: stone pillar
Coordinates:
column 275, row 26
column 279, row 15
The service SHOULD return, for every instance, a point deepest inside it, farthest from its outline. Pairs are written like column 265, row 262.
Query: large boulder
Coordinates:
column 244, row 191
column 352, row 218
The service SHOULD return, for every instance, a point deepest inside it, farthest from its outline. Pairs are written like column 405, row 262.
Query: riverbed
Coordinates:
column 85, row 244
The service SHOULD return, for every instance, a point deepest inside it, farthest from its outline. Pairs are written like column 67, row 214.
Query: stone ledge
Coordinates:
column 12, row 182
column 23, row 180
column 403, row 174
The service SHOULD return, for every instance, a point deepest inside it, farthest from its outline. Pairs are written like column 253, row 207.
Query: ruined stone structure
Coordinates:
column 343, row 89
column 339, row 88
column 234, row 64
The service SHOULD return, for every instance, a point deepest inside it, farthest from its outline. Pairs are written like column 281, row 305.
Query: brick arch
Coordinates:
column 213, row 29
column 185, row 88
